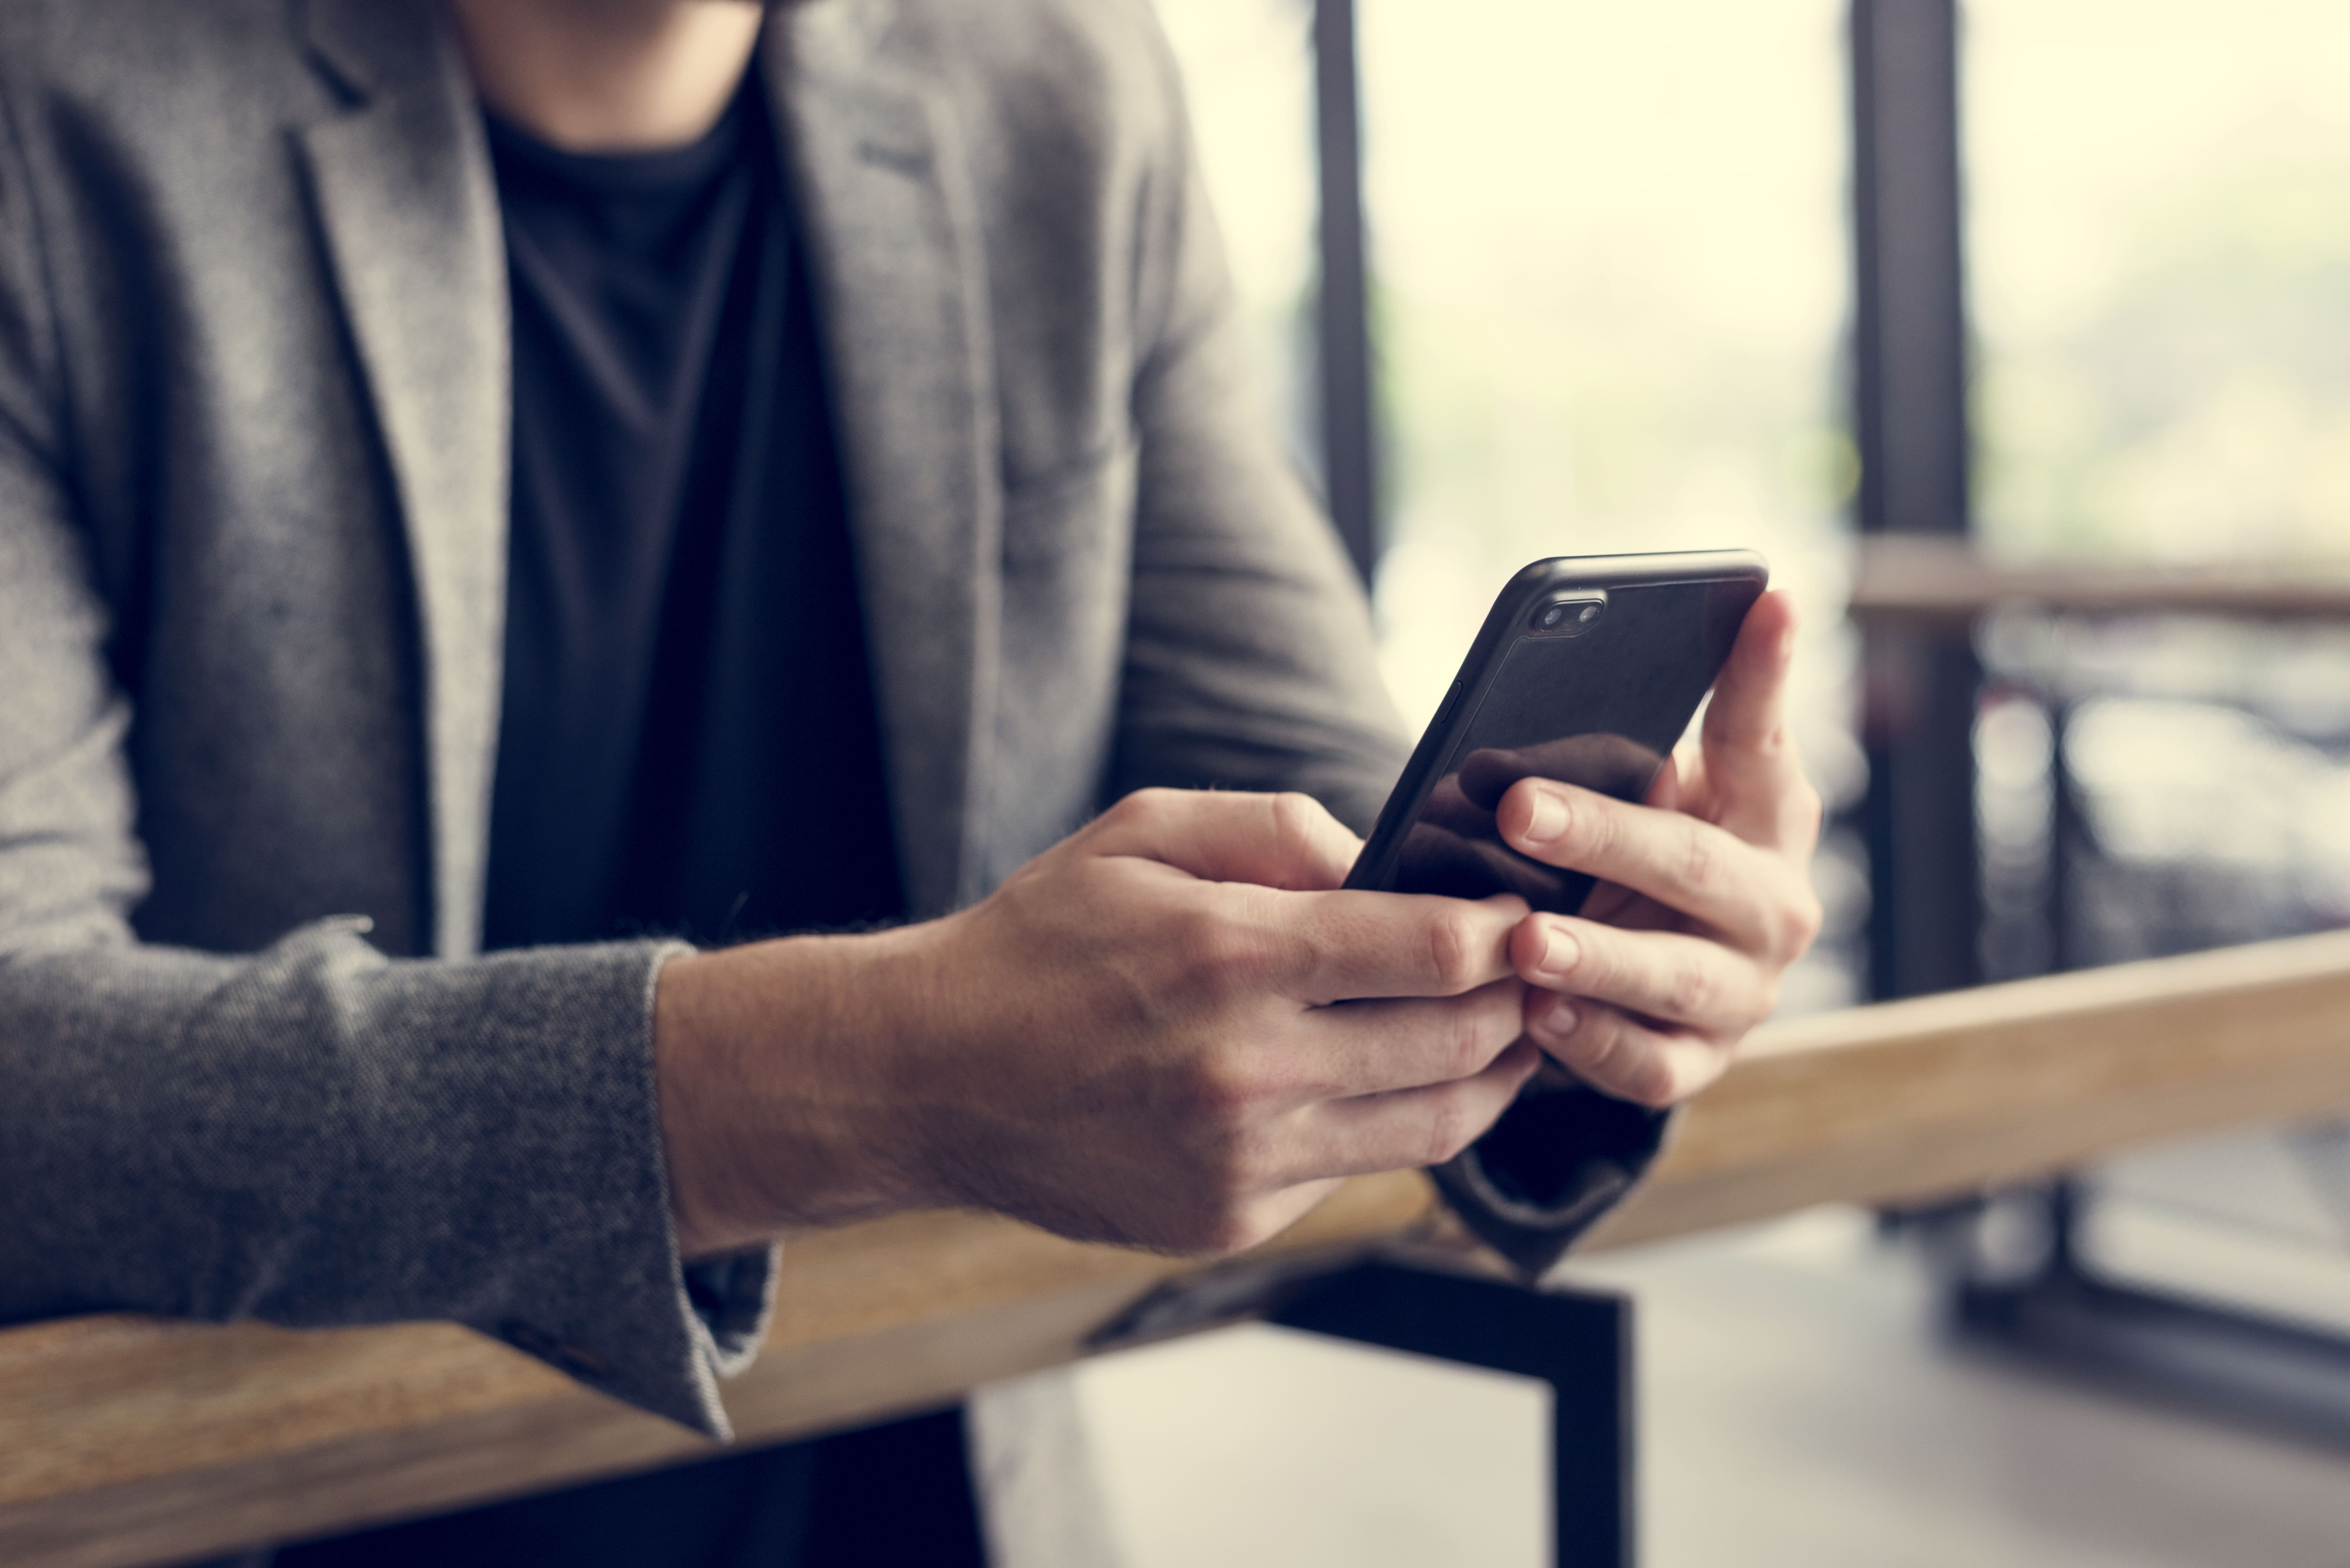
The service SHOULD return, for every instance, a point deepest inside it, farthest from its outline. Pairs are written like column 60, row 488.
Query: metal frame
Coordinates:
column 1348, row 395
column 1910, row 373
column 1909, row 394
column 1578, row 1341
column 2064, row 1312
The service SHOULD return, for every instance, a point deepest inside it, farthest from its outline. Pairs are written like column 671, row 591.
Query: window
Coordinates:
column 1609, row 257
column 2159, row 237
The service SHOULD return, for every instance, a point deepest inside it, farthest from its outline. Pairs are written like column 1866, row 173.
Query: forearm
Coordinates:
column 776, row 1106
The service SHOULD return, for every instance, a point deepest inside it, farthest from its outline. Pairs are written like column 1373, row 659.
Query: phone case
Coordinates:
column 1598, row 699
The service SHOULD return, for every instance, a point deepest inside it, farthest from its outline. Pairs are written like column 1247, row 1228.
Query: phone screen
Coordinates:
column 1600, row 705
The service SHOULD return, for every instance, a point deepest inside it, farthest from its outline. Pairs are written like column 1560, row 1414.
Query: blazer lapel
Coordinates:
column 896, row 255
column 403, row 191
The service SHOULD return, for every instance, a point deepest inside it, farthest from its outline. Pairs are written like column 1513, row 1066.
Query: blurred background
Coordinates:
column 2066, row 282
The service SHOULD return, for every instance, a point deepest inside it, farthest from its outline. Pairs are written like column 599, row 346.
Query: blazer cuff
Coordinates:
column 613, row 1304
column 317, row 1136
column 1558, row 1159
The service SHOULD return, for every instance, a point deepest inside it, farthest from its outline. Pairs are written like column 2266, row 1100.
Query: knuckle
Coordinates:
column 1811, row 808
column 1296, row 816
column 1691, row 989
column 1593, row 1041
column 1811, row 915
column 1216, row 957
column 1463, row 1047
column 1799, row 924
column 1451, row 1127
column 1453, row 956
column 1595, row 825
column 1233, row 1174
column 1702, row 869
column 1137, row 809
column 1219, row 1091
column 1646, row 1079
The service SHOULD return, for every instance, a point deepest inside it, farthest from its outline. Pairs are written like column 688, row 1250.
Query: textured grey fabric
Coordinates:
column 251, row 496
column 253, row 409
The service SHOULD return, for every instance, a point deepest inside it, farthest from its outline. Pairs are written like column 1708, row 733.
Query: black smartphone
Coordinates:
column 1589, row 670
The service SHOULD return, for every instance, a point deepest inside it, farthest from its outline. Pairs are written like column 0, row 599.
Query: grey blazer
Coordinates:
column 254, row 417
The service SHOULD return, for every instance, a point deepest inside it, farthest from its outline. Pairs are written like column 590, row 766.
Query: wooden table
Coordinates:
column 126, row 1441
column 1921, row 579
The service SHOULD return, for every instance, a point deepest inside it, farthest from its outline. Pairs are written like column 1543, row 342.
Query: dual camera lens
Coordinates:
column 1569, row 617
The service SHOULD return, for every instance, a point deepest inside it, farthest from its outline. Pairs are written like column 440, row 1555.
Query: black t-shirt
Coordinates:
column 689, row 742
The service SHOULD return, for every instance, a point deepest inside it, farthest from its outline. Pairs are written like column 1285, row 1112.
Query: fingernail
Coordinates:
column 1560, row 1019
column 1559, row 952
column 1548, row 818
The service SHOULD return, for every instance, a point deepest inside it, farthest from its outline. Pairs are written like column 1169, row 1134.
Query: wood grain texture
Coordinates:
column 1944, row 1094
column 126, row 1441
column 1926, row 581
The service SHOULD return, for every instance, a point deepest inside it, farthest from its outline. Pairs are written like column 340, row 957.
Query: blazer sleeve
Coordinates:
column 1249, row 661
column 315, row 1134
column 1251, row 664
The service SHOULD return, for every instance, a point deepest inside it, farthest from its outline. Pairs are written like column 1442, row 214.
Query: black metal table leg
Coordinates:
column 2060, row 1310
column 1578, row 1341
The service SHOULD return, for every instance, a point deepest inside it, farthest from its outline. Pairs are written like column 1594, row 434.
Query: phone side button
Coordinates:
column 1444, row 709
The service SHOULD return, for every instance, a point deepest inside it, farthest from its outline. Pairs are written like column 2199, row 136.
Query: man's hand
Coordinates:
column 1704, row 897
column 1170, row 1031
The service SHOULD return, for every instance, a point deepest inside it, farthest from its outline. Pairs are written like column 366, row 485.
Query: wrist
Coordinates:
column 773, row 1063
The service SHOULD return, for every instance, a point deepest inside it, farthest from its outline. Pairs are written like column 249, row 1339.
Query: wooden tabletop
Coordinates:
column 1929, row 579
column 126, row 1441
